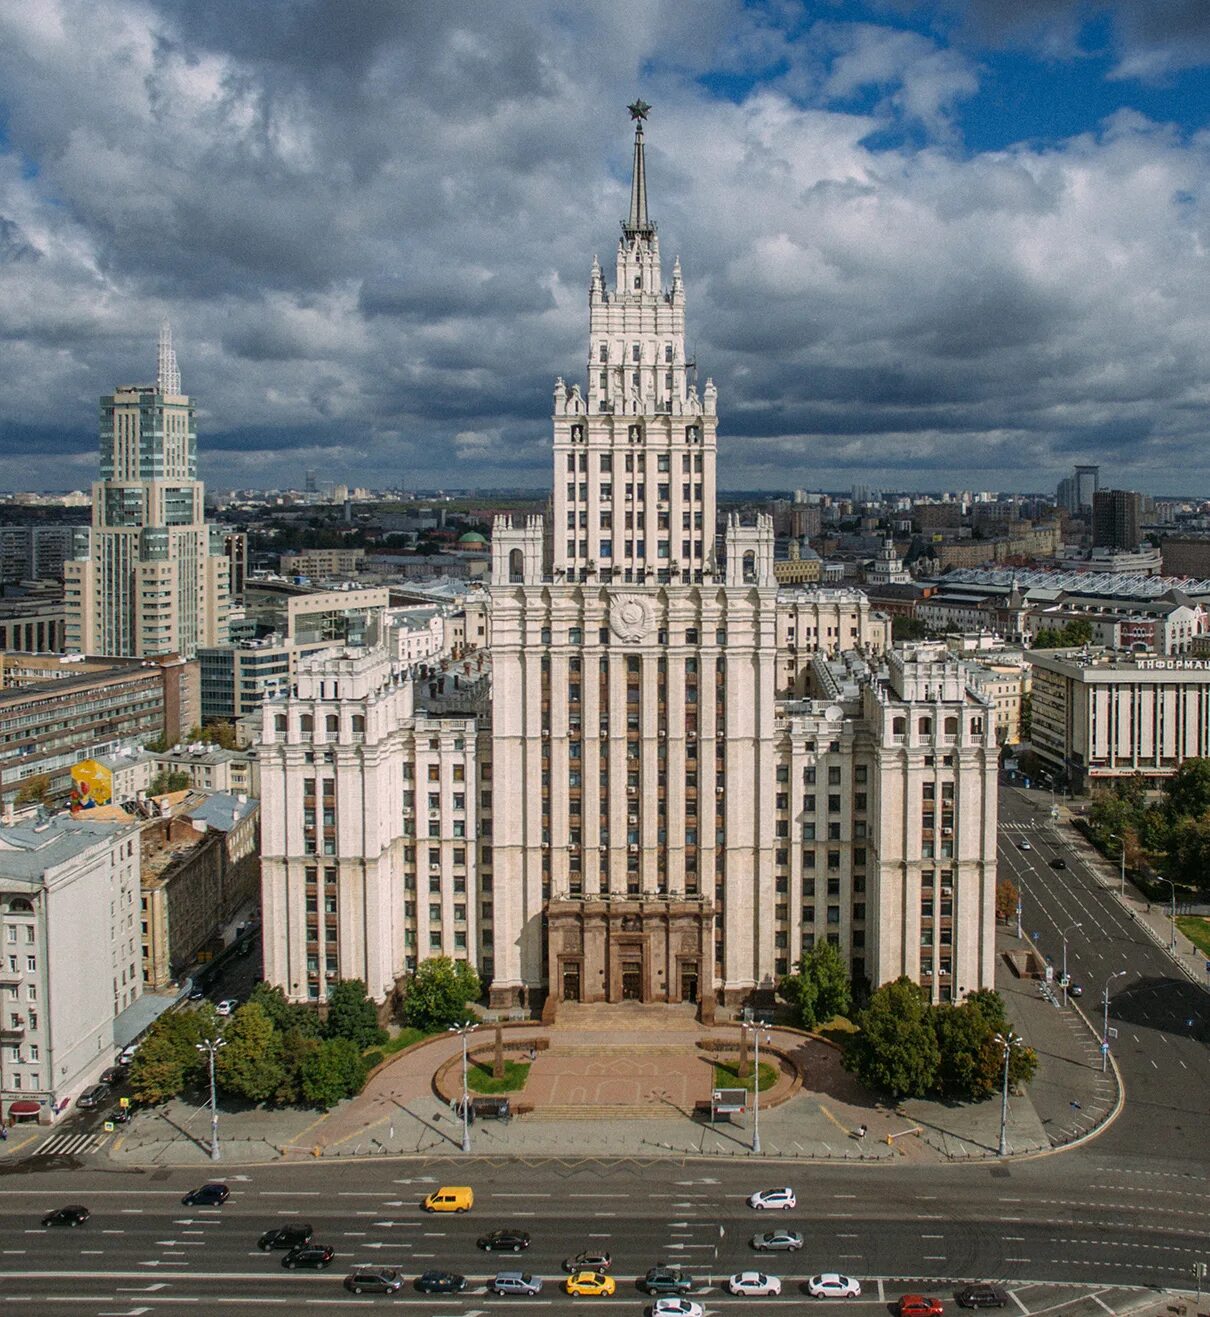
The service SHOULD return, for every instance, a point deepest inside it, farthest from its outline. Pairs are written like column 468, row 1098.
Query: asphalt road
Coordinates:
column 1162, row 1019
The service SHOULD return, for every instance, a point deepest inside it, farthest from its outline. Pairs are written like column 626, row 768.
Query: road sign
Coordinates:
column 1113, row 1033
column 1050, row 973
column 123, row 1103
column 728, row 1101
column 109, row 1127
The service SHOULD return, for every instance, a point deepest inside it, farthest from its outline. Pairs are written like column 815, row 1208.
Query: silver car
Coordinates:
column 515, row 1282
column 787, row 1241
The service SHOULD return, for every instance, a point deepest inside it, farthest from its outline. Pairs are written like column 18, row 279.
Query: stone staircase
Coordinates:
column 624, row 1017
column 652, row 1111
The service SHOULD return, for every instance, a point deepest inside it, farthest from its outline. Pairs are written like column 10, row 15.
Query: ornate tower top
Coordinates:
column 637, row 225
column 167, row 372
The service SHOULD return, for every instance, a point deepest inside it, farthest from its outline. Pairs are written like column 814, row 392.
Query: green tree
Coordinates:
column 895, row 1048
column 166, row 780
column 436, row 996
column 332, row 1071
column 1047, row 638
column 1077, row 632
column 294, row 1049
column 1187, row 791
column 1027, row 716
column 249, row 1065
column 286, row 1015
column 1188, row 859
column 168, row 1061
column 990, row 1005
column 352, row 1015
column 907, row 628
column 33, row 790
column 967, row 1065
column 820, row 989
column 221, row 734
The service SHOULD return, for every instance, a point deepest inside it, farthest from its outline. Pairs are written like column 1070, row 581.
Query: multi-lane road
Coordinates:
column 1130, row 1208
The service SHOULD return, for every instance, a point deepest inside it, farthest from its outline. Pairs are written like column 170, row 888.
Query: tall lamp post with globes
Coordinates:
column 1105, row 1025
column 1121, row 841
column 1171, row 910
column 1007, row 1041
column 756, row 1032
column 1071, row 928
column 464, row 1030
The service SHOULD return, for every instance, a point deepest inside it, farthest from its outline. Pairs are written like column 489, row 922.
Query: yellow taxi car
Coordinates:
column 591, row 1282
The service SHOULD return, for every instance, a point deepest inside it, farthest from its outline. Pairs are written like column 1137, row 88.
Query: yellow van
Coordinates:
column 445, row 1199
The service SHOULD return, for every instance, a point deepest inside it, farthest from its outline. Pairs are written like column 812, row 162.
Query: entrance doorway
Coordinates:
column 689, row 983
column 632, row 981
column 571, row 983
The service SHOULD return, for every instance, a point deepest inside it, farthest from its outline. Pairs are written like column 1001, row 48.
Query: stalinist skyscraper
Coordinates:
column 151, row 578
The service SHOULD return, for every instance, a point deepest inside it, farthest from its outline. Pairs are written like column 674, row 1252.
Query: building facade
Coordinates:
column 685, row 776
column 68, row 956
column 151, row 577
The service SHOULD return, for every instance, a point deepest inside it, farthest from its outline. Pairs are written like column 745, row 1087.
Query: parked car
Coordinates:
column 789, row 1241
column 93, row 1097
column 75, row 1214
column 663, row 1279
column 754, row 1284
column 920, row 1305
column 504, row 1241
column 113, row 1075
column 515, row 1282
column 981, row 1295
column 588, row 1260
column 595, row 1283
column 290, row 1236
column 768, row 1200
column 212, row 1194
column 226, row 1006
column 440, row 1282
column 315, row 1256
column 1075, row 990
column 127, row 1054
column 374, row 1280
column 832, row 1285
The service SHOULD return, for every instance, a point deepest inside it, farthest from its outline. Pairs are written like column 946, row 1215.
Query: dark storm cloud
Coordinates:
column 372, row 225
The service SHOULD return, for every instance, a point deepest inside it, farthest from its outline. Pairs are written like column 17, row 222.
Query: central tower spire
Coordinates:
column 637, row 225
column 167, row 373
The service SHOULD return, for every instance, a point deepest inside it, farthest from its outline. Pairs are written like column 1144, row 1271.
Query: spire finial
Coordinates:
column 637, row 224
column 167, row 373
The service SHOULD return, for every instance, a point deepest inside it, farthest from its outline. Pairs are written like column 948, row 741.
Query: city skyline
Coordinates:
column 896, row 220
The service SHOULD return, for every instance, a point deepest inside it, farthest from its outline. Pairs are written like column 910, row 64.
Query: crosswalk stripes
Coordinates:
column 70, row 1145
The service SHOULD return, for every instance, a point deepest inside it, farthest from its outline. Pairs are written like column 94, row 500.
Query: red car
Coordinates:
column 919, row 1305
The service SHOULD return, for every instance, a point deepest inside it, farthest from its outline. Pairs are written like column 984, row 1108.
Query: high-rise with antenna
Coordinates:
column 151, row 577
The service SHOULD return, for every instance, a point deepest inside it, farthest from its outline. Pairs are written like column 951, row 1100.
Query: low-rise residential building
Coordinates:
column 323, row 564
column 32, row 624
column 69, row 959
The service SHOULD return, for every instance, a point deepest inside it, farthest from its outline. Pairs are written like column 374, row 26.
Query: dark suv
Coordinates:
column 504, row 1241
column 209, row 1195
column 290, row 1236
column 315, row 1256
column 93, row 1097
column 981, row 1296
column 666, row 1280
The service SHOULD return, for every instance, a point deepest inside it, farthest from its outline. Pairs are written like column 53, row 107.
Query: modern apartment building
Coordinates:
column 35, row 553
column 69, row 956
column 151, row 577
column 672, row 776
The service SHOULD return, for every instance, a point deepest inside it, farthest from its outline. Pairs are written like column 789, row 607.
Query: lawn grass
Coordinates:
column 726, row 1075
column 479, row 1077
column 404, row 1038
column 1197, row 929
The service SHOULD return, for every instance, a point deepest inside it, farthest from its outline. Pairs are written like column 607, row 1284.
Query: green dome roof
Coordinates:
column 472, row 537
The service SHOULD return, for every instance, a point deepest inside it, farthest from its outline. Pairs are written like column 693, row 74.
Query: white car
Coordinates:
column 1023, row 845
column 226, row 1006
column 126, row 1055
column 832, row 1285
column 677, row 1308
column 769, row 1200
column 753, row 1284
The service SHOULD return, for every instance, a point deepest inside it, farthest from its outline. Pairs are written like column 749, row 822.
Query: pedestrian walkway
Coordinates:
column 70, row 1145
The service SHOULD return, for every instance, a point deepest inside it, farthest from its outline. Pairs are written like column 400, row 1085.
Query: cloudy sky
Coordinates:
column 925, row 245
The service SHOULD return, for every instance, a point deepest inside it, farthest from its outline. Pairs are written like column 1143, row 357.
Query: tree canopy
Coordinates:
column 437, row 994
column 820, row 988
column 352, row 1015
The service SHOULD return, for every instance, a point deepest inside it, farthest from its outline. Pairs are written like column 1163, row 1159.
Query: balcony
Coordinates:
column 13, row 1031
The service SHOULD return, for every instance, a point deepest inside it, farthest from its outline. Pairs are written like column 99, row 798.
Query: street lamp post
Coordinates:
column 1171, row 911
column 755, row 1083
column 1121, row 841
column 1105, row 1025
column 210, row 1046
column 465, row 1030
column 1007, row 1042
column 1070, row 929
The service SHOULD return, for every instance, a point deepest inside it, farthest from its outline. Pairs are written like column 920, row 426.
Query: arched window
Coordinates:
column 925, row 726
column 516, row 565
column 898, row 726
column 359, row 725
column 332, row 725
column 279, row 722
column 749, row 567
column 951, row 727
column 306, row 724
column 20, row 906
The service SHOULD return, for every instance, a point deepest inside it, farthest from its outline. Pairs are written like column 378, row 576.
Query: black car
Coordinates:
column 75, row 1214
column 981, row 1296
column 504, row 1241
column 666, row 1280
column 209, row 1195
column 314, row 1256
column 440, row 1282
column 93, row 1097
column 290, row 1236
column 113, row 1075
column 374, row 1280
column 1058, row 864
